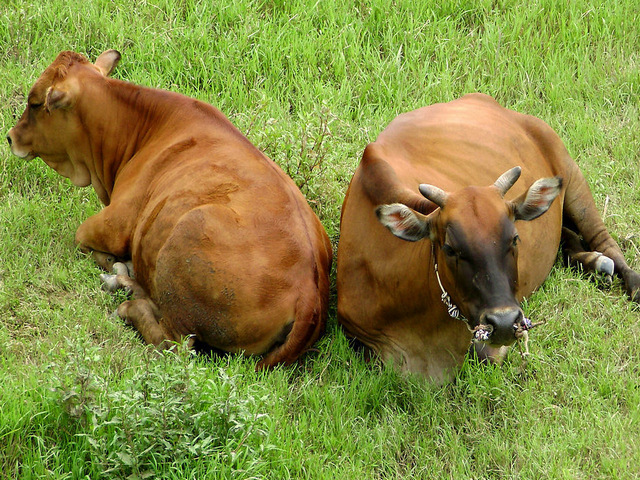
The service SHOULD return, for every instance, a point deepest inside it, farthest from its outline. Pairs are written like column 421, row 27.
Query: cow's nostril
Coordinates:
column 9, row 139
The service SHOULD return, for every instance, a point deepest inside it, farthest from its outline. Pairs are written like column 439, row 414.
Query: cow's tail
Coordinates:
column 308, row 326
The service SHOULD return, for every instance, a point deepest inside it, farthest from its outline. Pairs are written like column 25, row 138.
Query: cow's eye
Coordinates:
column 448, row 250
column 516, row 239
column 35, row 106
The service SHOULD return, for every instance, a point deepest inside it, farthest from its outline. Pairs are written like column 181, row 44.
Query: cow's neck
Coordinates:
column 120, row 128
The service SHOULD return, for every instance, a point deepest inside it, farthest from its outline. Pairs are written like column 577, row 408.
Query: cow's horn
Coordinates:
column 507, row 179
column 435, row 194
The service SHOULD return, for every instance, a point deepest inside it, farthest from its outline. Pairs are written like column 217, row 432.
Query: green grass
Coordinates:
column 311, row 83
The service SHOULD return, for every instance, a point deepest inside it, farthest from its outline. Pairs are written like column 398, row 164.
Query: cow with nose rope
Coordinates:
column 475, row 199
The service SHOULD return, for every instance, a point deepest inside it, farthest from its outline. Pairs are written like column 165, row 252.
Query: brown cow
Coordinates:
column 488, row 237
column 224, row 246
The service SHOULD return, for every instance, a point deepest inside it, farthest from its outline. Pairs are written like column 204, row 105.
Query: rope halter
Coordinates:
column 452, row 309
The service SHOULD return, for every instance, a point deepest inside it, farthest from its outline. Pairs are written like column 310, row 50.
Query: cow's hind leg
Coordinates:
column 143, row 315
column 141, row 312
column 581, row 211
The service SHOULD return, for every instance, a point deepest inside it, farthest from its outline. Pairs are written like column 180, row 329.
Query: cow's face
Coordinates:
column 49, row 127
column 475, row 241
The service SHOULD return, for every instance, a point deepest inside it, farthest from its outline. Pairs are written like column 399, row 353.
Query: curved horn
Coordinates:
column 507, row 179
column 435, row 194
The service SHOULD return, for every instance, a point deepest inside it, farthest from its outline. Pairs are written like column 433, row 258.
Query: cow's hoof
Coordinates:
column 632, row 284
column 109, row 282
column 604, row 265
column 120, row 268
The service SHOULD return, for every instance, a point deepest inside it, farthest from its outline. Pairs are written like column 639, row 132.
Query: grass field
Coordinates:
column 311, row 83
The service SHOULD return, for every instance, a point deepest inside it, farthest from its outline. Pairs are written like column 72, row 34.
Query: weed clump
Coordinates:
column 164, row 416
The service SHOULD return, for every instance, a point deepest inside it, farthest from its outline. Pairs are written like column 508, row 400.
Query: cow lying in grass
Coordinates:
column 472, row 243
column 224, row 246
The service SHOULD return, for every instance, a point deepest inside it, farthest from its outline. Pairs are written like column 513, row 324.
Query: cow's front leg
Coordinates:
column 104, row 260
column 105, row 237
column 122, row 274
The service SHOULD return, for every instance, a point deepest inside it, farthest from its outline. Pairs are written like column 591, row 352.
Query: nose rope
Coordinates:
column 452, row 309
column 481, row 333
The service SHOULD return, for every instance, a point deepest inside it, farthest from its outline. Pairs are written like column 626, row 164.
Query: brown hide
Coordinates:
column 224, row 246
column 388, row 295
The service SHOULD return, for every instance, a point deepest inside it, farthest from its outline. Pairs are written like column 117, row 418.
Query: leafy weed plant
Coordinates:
column 172, row 408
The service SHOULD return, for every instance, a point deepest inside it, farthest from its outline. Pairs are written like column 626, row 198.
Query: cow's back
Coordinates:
column 469, row 141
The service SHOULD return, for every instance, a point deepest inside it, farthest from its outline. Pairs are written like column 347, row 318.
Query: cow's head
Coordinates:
column 475, row 241
column 48, row 127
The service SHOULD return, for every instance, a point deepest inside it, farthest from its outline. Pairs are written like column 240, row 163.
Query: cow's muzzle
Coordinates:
column 14, row 145
column 498, row 326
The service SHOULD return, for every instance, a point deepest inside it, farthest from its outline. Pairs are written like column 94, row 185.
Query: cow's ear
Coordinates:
column 537, row 199
column 403, row 222
column 57, row 97
column 107, row 61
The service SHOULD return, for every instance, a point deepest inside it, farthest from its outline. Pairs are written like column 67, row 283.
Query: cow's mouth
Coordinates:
column 22, row 154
